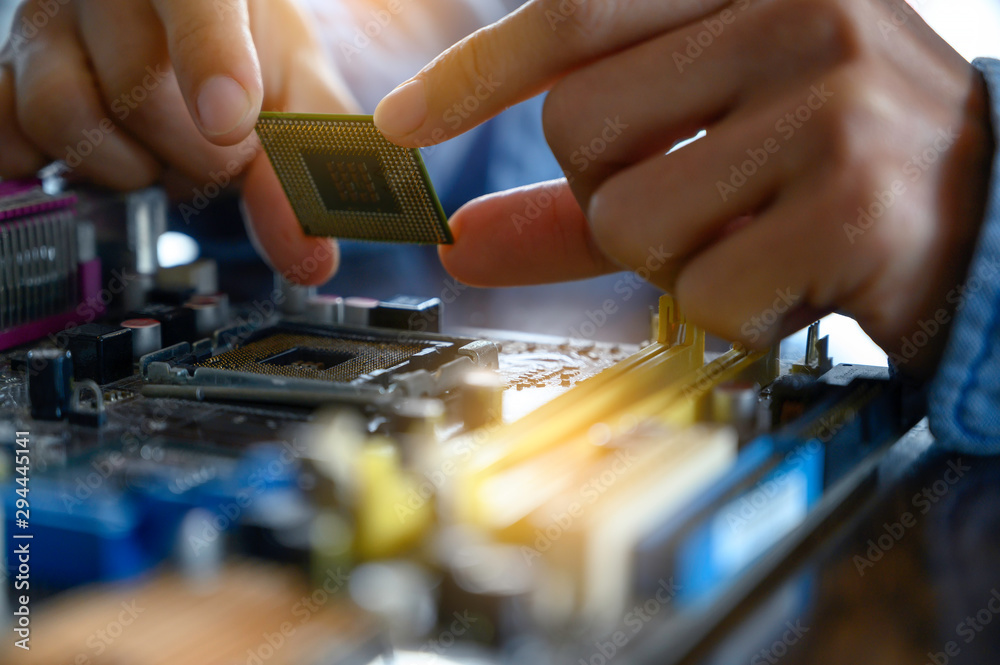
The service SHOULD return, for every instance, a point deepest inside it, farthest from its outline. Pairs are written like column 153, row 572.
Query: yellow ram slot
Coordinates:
column 682, row 403
column 610, row 392
column 387, row 522
column 567, row 419
column 507, row 497
column 588, row 533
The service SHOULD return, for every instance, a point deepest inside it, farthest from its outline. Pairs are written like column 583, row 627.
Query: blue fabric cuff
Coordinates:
column 965, row 394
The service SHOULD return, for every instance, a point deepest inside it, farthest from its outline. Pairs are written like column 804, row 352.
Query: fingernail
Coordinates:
column 223, row 105
column 403, row 110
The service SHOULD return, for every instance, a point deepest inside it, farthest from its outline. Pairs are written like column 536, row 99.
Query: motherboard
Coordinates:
column 310, row 478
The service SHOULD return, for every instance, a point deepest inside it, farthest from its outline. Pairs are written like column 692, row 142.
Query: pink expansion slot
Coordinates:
column 89, row 308
column 27, row 199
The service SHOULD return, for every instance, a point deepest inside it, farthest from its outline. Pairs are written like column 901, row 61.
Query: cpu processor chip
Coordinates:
column 345, row 180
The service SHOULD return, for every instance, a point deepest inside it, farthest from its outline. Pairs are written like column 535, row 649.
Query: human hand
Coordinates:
column 845, row 165
column 128, row 92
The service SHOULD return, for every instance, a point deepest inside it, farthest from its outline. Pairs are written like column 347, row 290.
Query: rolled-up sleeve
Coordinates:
column 965, row 394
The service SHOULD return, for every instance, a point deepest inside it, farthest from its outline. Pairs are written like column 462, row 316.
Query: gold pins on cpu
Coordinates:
column 345, row 180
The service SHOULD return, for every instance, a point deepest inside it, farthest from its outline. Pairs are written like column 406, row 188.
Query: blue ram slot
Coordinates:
column 104, row 520
column 732, row 538
column 77, row 541
column 652, row 551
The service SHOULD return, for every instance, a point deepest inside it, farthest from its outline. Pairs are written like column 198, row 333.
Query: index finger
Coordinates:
column 519, row 57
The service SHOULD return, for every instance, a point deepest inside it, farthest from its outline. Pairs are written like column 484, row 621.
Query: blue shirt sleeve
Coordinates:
column 965, row 394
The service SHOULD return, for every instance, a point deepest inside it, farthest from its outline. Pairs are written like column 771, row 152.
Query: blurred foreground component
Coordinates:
column 249, row 614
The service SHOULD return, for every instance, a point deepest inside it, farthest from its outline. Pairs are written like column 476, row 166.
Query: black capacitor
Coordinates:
column 177, row 323
column 408, row 313
column 176, row 297
column 492, row 585
column 18, row 361
column 48, row 372
column 101, row 352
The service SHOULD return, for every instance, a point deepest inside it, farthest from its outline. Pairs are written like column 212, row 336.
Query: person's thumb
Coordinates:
column 213, row 53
